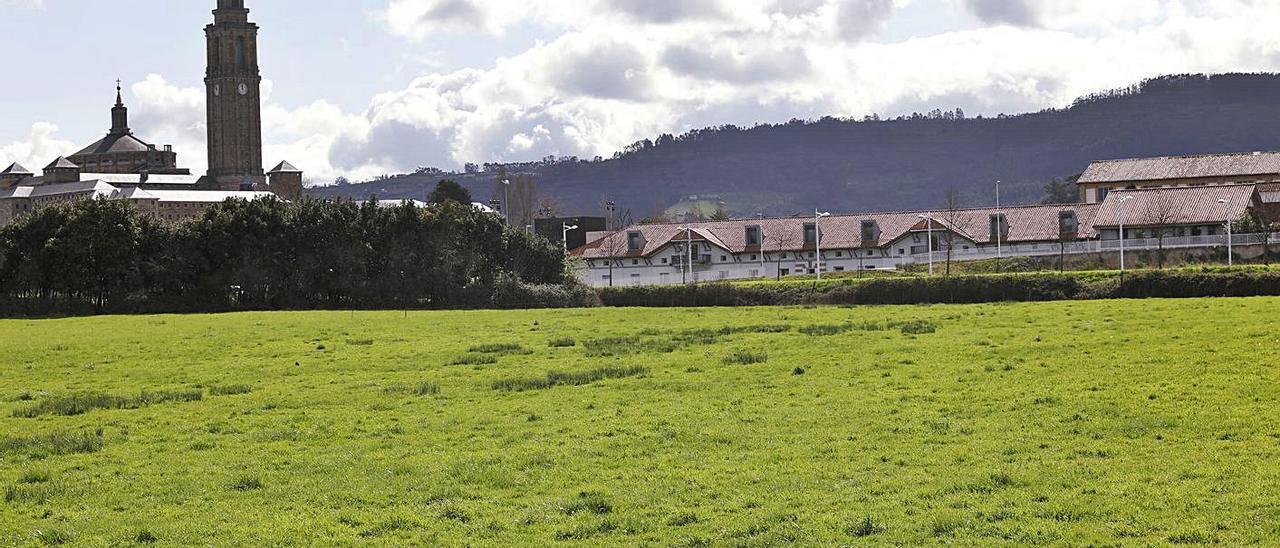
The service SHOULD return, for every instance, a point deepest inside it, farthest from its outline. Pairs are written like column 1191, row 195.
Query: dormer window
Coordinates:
column 635, row 242
column 999, row 226
column 810, row 233
column 753, row 235
column 1067, row 222
column 870, row 231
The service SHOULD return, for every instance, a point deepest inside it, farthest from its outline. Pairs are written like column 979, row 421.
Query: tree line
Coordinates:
column 104, row 256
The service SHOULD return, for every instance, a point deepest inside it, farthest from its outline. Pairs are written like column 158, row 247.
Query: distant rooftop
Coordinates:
column 1247, row 164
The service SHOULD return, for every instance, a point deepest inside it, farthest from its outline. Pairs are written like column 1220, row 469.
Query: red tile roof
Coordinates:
column 1197, row 205
column 1026, row 224
column 1246, row 164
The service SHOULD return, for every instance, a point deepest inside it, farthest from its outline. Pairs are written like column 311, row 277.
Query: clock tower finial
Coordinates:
column 232, row 84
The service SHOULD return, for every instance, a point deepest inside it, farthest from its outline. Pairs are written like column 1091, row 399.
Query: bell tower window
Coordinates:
column 240, row 58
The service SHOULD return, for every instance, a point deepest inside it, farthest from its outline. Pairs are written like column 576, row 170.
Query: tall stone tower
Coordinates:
column 232, row 85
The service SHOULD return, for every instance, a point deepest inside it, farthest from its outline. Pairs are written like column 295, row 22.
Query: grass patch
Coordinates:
column 230, row 390
column 54, row 444
column 587, row 532
column 742, row 357
column 426, row 388
column 564, row 342
column 585, row 502
column 475, row 359
column 915, row 327
column 32, row 493
column 579, row 378
column 53, row 537
column 390, row 525
column 864, row 528
column 79, row 404
column 246, row 483
column 500, row 349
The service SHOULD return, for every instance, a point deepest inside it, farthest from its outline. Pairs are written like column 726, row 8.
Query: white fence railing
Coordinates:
column 1219, row 240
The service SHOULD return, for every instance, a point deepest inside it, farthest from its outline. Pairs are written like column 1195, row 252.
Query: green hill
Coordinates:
column 903, row 163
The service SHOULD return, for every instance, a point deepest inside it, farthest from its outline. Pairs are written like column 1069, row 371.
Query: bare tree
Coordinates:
column 549, row 207
column 657, row 214
column 1158, row 214
column 786, row 240
column 952, row 211
column 524, row 200
column 614, row 246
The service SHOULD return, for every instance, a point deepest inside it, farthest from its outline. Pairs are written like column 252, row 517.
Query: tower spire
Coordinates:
column 119, row 114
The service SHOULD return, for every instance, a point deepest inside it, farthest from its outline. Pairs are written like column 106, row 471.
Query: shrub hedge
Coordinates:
column 958, row 289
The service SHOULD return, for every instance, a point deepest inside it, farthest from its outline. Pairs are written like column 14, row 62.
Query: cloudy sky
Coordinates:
column 363, row 87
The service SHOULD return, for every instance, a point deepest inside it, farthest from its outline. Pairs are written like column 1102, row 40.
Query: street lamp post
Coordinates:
column 999, row 227
column 506, row 199
column 762, row 267
column 612, row 208
column 565, row 237
column 817, row 237
column 1231, row 256
column 1121, row 206
column 929, row 223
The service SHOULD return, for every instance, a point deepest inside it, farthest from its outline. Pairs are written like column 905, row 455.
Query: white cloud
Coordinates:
column 612, row 72
column 38, row 149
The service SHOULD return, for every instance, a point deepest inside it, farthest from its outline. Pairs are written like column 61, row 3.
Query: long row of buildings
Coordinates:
column 1171, row 202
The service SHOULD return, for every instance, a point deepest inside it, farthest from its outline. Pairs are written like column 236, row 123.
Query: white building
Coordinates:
column 170, row 198
column 766, row 248
column 727, row 250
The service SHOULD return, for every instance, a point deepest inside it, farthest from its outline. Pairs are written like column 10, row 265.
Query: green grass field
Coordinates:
column 1078, row 423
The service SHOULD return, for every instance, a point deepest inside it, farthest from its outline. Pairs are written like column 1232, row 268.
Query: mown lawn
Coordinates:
column 1077, row 423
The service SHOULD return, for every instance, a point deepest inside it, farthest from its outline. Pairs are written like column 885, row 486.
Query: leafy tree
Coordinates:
column 449, row 190
column 1061, row 191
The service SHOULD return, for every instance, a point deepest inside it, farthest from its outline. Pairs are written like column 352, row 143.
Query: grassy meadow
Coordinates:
column 1075, row 423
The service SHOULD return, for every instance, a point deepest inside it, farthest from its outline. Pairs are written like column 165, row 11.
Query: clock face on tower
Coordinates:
column 244, row 89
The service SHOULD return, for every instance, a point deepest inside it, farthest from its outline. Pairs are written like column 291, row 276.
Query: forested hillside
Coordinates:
column 906, row 162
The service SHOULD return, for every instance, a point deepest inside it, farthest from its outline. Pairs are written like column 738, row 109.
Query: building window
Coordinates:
column 635, row 262
column 634, row 241
column 810, row 233
column 753, row 257
column 1102, row 194
column 664, row 278
column 724, row 259
column 240, row 53
column 753, row 235
column 664, row 260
